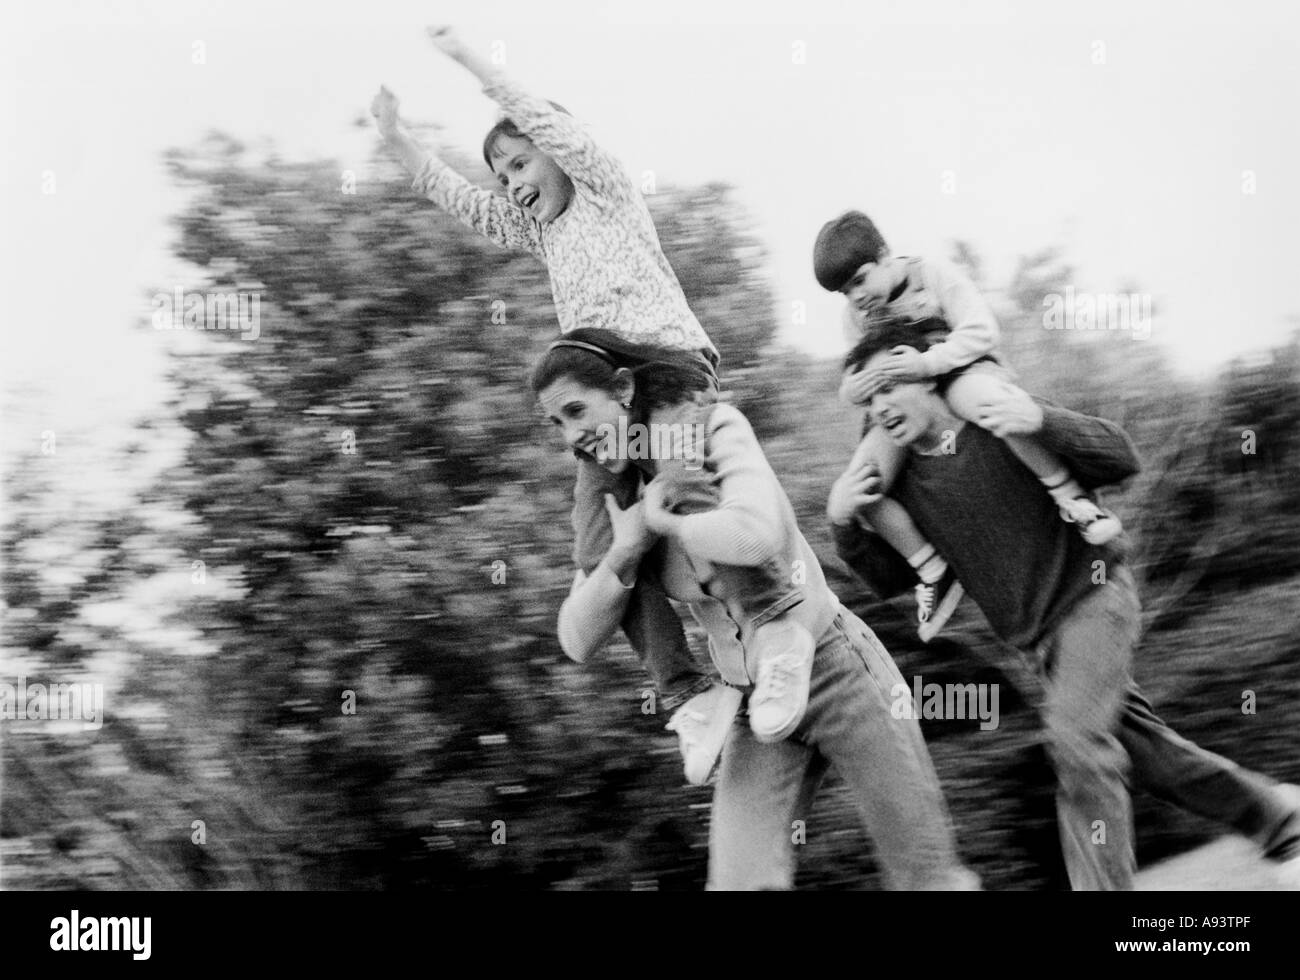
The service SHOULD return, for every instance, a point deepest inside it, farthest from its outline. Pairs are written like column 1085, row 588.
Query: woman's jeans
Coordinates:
column 763, row 799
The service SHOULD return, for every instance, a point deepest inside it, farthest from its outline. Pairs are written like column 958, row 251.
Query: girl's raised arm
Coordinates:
column 489, row 214
column 555, row 133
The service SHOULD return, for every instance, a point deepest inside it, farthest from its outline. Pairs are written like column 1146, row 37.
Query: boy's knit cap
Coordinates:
column 843, row 246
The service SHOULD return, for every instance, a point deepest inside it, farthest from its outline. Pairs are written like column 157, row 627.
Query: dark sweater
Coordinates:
column 996, row 524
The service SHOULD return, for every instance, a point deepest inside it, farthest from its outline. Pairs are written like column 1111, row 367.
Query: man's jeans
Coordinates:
column 1102, row 734
column 764, row 791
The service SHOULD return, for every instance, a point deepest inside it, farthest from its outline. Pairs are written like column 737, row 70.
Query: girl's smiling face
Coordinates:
column 532, row 180
column 588, row 417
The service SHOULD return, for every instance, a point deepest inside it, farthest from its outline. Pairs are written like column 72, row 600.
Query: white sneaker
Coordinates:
column 784, row 653
column 701, row 725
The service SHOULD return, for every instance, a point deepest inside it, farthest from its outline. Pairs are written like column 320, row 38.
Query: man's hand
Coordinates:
column 857, row 487
column 384, row 109
column 904, row 364
column 1013, row 414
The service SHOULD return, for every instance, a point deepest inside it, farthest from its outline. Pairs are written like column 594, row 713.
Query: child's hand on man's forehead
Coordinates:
column 904, row 364
column 865, row 383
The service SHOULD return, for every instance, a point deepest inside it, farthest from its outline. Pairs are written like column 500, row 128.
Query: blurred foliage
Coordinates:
column 379, row 509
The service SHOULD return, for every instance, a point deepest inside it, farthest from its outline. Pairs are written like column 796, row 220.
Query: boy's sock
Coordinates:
column 929, row 564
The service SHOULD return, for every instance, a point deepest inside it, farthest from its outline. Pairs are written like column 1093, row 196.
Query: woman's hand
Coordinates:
column 658, row 518
column 633, row 536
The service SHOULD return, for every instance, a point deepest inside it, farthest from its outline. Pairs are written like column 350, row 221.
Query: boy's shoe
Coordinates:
column 784, row 655
column 1098, row 526
column 701, row 725
column 935, row 604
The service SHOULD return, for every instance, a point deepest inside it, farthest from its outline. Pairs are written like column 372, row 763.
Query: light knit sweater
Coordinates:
column 753, row 525
column 607, row 267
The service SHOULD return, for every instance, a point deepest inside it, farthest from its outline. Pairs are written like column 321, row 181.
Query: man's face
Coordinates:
column 532, row 180
column 909, row 412
column 873, row 283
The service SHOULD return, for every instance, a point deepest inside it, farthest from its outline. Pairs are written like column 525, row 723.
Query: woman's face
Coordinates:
column 589, row 419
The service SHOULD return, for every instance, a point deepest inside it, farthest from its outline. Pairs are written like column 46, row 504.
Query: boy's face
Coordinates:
column 870, row 287
column 532, row 180
column 909, row 412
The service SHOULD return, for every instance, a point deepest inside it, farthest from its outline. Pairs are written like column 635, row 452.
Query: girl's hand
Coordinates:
column 632, row 535
column 904, row 364
column 446, row 40
column 384, row 109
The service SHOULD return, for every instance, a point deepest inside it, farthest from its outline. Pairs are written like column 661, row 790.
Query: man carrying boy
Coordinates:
column 944, row 308
column 1048, row 591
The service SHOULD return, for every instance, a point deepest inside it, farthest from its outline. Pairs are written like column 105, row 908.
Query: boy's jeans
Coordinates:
column 764, row 793
column 1102, row 732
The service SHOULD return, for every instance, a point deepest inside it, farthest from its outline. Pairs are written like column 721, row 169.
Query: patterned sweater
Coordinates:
column 603, row 254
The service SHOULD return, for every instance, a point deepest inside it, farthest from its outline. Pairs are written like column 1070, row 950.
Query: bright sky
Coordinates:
column 1123, row 131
